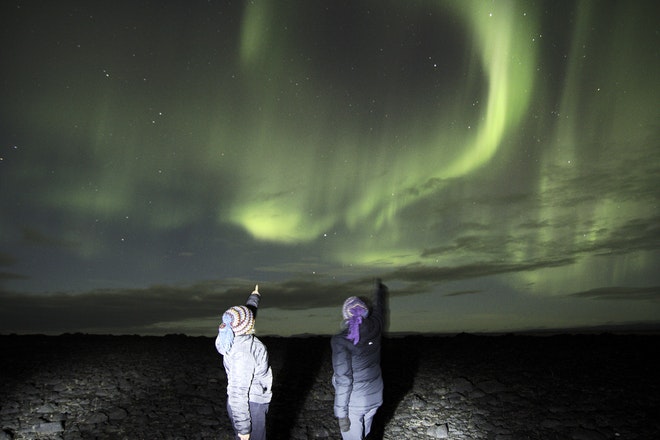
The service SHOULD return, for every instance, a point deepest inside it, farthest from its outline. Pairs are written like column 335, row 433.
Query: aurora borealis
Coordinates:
column 496, row 163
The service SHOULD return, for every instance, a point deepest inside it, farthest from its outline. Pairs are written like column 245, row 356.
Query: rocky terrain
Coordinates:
column 579, row 387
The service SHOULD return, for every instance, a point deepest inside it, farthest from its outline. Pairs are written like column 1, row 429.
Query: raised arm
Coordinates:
column 380, row 301
column 253, row 300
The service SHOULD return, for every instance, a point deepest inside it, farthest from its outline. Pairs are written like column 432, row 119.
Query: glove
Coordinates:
column 344, row 424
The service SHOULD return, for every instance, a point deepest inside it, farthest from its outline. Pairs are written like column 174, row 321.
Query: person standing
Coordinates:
column 357, row 377
column 249, row 375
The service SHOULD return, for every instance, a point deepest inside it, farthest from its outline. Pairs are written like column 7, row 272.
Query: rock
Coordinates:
column 45, row 409
column 47, row 427
column 117, row 414
column 492, row 386
column 586, row 434
column 97, row 417
column 461, row 386
column 416, row 402
column 438, row 431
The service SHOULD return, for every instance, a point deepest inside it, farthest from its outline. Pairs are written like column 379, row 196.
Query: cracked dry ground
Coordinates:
column 459, row 387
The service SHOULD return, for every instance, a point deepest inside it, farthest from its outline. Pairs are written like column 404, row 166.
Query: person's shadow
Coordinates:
column 296, row 363
column 399, row 364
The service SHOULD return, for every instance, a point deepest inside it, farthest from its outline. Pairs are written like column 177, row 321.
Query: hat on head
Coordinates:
column 354, row 306
column 238, row 320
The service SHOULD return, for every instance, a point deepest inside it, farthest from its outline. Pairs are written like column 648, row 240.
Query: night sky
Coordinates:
column 496, row 163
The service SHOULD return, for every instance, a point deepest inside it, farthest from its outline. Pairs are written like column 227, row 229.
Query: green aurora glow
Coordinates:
column 370, row 138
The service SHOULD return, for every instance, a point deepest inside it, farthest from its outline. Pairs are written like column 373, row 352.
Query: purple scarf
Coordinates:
column 354, row 329
column 354, row 310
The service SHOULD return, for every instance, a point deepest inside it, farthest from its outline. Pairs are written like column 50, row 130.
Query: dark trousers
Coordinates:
column 360, row 424
column 258, row 413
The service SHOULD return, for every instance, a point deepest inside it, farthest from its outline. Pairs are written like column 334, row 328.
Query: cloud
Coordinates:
column 136, row 308
column 635, row 235
column 6, row 259
column 483, row 244
column 463, row 292
column 33, row 236
column 12, row 276
column 638, row 234
column 620, row 293
column 417, row 273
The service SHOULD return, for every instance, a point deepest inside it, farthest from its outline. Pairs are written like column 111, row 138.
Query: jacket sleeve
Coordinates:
column 238, row 391
column 380, row 306
column 342, row 379
column 253, row 303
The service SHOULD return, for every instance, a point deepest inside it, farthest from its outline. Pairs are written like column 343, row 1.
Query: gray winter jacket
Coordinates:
column 357, row 376
column 249, row 376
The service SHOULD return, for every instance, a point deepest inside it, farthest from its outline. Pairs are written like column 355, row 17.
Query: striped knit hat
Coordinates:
column 238, row 320
column 241, row 320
